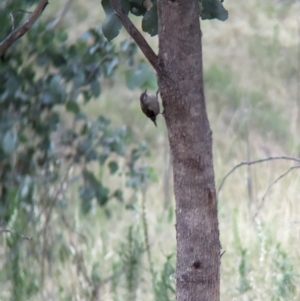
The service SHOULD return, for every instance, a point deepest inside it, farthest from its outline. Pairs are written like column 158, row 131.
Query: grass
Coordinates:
column 252, row 74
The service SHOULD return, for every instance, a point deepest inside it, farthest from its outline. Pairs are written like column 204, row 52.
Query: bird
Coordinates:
column 150, row 105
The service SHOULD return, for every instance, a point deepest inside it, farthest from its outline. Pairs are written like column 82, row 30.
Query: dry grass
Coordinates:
column 252, row 76
column 252, row 69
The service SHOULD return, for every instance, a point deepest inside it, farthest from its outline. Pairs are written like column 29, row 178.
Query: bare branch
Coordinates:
column 54, row 24
column 254, row 162
column 19, row 32
column 270, row 186
column 136, row 35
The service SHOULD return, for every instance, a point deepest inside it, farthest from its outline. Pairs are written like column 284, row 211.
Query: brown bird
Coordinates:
column 150, row 105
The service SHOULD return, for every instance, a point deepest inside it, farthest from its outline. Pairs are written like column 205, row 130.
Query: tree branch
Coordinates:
column 19, row 32
column 136, row 35
column 269, row 188
column 254, row 162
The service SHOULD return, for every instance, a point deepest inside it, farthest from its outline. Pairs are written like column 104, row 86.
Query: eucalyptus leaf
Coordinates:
column 73, row 107
column 111, row 66
column 213, row 9
column 137, row 8
column 95, row 87
column 10, row 141
column 150, row 20
column 113, row 167
column 111, row 25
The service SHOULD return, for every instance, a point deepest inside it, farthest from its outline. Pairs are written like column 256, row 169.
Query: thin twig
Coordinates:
column 56, row 194
column 14, row 233
column 270, row 186
column 136, row 35
column 66, row 223
column 19, row 32
column 254, row 162
column 249, row 171
column 12, row 16
column 61, row 15
column 12, row 21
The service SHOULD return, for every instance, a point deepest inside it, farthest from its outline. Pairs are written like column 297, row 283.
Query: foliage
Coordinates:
column 131, row 256
column 12, row 15
column 164, row 286
column 284, row 278
column 49, row 146
column 243, row 269
column 212, row 9
column 34, row 138
column 79, row 259
column 147, row 9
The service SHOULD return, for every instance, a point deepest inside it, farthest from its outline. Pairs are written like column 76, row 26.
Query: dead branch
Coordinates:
column 136, row 35
column 19, row 32
column 270, row 186
column 254, row 162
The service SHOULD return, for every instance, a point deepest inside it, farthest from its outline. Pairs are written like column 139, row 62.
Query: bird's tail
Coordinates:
column 154, row 120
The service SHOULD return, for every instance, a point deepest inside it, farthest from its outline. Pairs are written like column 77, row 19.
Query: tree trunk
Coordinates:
column 190, row 137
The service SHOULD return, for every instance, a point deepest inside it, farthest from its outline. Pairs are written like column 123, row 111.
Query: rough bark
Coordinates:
column 190, row 138
column 180, row 78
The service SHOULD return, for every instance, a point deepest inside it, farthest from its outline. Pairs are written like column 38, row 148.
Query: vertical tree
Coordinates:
column 190, row 138
column 180, row 79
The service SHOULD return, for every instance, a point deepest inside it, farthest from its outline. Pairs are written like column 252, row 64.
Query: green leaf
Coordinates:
column 126, row 6
column 137, row 8
column 113, row 166
column 86, row 196
column 73, row 107
column 138, row 11
column 118, row 194
column 56, row 87
column 94, row 188
column 47, row 98
column 142, row 77
column 150, row 20
column 59, row 60
column 136, row 2
column 213, row 9
column 87, row 96
column 62, row 36
column 111, row 25
column 111, row 66
column 12, row 83
column 42, row 59
column 10, row 141
column 95, row 87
